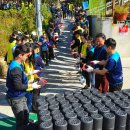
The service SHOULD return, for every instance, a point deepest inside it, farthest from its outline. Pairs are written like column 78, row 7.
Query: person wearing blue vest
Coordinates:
column 39, row 63
column 100, row 53
column 112, row 68
column 64, row 9
column 17, row 84
column 44, row 47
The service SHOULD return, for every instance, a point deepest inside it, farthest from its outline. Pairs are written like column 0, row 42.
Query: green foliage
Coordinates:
column 122, row 9
column 28, row 18
column 46, row 14
column 49, row 1
column 23, row 20
column 11, row 20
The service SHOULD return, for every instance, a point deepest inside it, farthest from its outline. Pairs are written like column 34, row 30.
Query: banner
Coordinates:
column 85, row 5
column 123, row 29
column 97, row 7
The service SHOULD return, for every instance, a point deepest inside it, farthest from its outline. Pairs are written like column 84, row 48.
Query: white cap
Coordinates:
column 34, row 33
column 19, row 32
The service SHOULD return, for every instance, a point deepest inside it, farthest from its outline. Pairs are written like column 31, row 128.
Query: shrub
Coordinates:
column 46, row 14
column 11, row 20
column 122, row 9
column 23, row 20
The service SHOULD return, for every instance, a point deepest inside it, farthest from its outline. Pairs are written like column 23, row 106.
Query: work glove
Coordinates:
column 73, row 52
column 89, row 69
column 35, row 85
column 94, row 62
column 34, row 72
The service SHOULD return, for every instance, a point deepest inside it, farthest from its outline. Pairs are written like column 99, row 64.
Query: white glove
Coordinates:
column 89, row 69
column 56, row 34
column 34, row 72
column 94, row 62
column 36, row 86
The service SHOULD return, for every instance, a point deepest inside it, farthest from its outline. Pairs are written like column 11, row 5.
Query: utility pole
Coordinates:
column 38, row 17
column 113, row 7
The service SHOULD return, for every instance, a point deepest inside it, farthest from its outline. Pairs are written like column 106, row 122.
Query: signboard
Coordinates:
column 85, row 5
column 97, row 7
column 123, row 29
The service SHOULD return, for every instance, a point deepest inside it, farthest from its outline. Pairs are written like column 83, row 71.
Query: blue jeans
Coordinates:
column 92, row 79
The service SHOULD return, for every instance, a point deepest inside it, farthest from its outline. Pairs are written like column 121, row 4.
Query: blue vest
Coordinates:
column 91, row 49
column 99, row 54
column 115, row 76
column 44, row 44
column 37, row 66
column 11, row 92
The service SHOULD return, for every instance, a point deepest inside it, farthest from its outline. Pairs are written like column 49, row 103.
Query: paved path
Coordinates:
column 61, row 74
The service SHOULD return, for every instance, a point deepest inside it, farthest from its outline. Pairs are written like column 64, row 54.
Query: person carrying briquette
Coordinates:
column 90, row 77
column 76, row 41
column 112, row 67
column 100, row 53
column 31, row 73
column 10, row 54
column 44, row 47
column 39, row 63
column 17, row 84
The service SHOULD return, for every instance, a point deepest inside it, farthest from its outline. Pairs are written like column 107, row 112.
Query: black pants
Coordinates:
column 87, row 77
column 51, row 53
column 115, row 88
column 64, row 15
column 36, row 94
column 45, row 56
column 20, row 110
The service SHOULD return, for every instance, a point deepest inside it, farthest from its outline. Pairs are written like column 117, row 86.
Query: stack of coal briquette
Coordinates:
column 86, row 109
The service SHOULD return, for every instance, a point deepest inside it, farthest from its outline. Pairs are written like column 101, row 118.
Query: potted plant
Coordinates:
column 121, row 12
